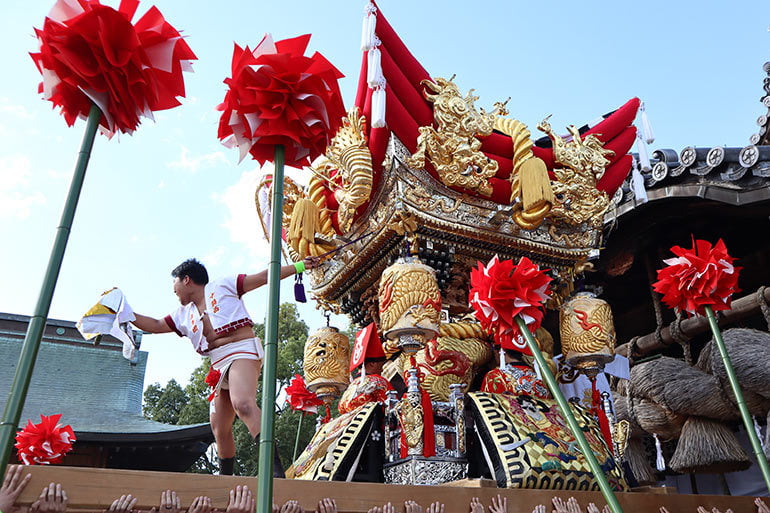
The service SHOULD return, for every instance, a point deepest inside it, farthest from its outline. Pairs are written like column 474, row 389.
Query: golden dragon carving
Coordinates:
column 454, row 148
column 584, row 159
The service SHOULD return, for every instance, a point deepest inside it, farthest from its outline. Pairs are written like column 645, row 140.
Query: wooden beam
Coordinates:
column 742, row 308
column 92, row 489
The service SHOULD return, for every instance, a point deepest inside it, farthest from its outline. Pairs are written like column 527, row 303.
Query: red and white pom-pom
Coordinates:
column 44, row 443
column 300, row 398
column 275, row 96
column 91, row 53
column 501, row 291
column 698, row 277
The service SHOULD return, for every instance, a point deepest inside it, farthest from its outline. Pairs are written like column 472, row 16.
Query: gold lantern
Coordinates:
column 587, row 333
column 410, row 305
column 327, row 356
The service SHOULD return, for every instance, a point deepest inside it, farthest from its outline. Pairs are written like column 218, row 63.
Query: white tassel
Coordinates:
column 637, row 182
column 644, row 157
column 378, row 106
column 502, row 359
column 374, row 74
column 368, row 27
column 537, row 370
column 660, row 462
column 649, row 136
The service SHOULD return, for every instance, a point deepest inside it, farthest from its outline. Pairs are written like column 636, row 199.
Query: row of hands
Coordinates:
column 499, row 505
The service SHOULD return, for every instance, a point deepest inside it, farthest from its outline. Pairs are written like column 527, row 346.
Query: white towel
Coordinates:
column 110, row 316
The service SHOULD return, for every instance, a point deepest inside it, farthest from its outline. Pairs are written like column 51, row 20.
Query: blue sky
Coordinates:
column 171, row 191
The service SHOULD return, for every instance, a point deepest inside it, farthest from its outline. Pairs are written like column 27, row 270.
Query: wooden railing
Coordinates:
column 91, row 489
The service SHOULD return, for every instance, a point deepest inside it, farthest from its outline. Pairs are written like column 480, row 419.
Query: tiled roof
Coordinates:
column 94, row 387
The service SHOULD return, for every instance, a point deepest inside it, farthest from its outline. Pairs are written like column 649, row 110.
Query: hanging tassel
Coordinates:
column 660, row 462
column 502, row 359
column 305, row 220
column 299, row 289
column 374, row 67
column 637, row 183
column 368, row 26
column 428, row 430
column 759, row 434
column 535, row 185
column 537, row 371
column 378, row 106
column 644, row 157
column 649, row 137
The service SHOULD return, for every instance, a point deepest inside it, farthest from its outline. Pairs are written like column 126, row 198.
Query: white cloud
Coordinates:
column 242, row 222
column 16, row 197
column 214, row 258
column 18, row 111
column 193, row 164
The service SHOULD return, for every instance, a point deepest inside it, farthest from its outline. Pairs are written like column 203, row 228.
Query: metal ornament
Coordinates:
column 325, row 363
column 587, row 333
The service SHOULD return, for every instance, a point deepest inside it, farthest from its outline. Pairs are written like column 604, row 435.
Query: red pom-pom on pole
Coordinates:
column 701, row 276
column 277, row 96
column 44, row 443
column 300, row 398
column 91, row 53
column 502, row 290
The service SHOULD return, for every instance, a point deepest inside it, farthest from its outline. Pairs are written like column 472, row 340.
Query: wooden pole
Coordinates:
column 29, row 349
column 266, row 442
column 741, row 309
column 748, row 423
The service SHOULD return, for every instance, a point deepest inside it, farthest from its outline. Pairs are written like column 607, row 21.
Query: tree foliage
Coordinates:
column 172, row 404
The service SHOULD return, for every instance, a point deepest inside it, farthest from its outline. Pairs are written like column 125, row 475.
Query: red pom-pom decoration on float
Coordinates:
column 275, row 96
column 698, row 277
column 44, row 443
column 500, row 291
column 91, row 53
column 300, row 398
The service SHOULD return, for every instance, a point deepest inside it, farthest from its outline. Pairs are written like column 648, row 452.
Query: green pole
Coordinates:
column 604, row 485
column 23, row 375
column 265, row 466
column 296, row 440
column 739, row 400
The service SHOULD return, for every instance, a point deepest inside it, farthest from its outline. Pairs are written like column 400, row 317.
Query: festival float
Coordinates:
column 504, row 282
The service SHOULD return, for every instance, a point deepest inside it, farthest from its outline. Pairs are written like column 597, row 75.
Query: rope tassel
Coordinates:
column 649, row 136
column 660, row 461
column 368, row 26
column 374, row 74
column 378, row 106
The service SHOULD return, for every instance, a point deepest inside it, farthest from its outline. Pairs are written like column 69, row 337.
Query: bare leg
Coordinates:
column 222, row 424
column 243, row 377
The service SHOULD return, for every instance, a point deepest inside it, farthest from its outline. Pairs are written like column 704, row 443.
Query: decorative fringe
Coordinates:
column 649, row 136
column 660, row 461
column 708, row 446
column 368, row 26
column 378, row 105
column 374, row 74
column 535, row 184
column 305, row 220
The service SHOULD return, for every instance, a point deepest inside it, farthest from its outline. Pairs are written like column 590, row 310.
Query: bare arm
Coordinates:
column 150, row 324
column 254, row 281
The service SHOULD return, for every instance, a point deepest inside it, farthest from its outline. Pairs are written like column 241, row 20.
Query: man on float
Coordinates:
column 515, row 375
column 214, row 318
column 370, row 386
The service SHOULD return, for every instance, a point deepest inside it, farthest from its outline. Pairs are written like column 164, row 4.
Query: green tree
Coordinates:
column 174, row 405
